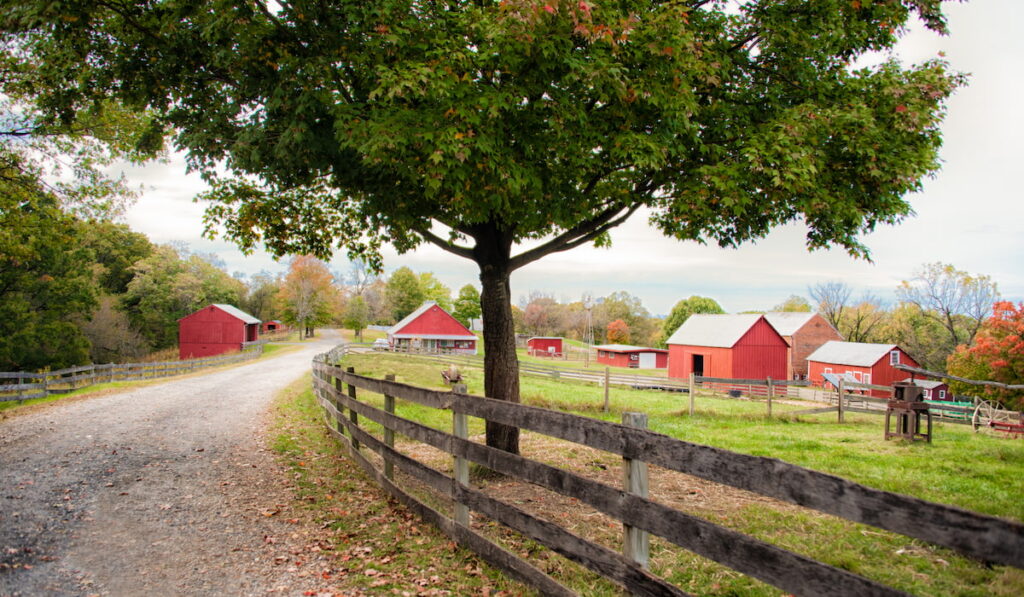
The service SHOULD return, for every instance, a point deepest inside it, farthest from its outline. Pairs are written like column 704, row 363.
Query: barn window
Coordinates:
column 942, row 394
column 894, row 357
column 828, row 369
column 867, row 378
column 927, row 393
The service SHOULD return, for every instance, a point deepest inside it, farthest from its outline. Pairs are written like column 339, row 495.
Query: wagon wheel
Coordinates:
column 985, row 410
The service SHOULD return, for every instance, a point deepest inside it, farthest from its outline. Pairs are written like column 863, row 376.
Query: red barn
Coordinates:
column 634, row 357
column 214, row 330
column 743, row 346
column 273, row 325
column 805, row 333
column 432, row 329
column 866, row 363
column 545, row 346
column 933, row 389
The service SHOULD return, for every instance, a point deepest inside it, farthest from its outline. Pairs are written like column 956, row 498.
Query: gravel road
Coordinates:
column 161, row 490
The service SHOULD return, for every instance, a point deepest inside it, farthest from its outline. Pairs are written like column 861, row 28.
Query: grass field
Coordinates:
column 978, row 472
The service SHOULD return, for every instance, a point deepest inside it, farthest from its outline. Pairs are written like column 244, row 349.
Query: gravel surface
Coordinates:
column 165, row 489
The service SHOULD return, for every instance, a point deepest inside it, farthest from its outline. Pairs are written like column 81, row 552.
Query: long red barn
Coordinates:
column 863, row 362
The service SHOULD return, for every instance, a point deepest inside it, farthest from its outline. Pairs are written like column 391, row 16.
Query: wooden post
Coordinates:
column 353, row 415
column 389, row 434
column 337, row 405
column 607, row 375
column 460, row 429
column 840, row 408
column 771, row 393
column 636, row 542
column 693, row 390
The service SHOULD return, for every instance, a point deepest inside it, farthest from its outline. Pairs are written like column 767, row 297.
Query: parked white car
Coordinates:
column 381, row 344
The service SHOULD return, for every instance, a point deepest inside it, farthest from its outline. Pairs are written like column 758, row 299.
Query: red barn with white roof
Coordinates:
column 864, row 362
column 432, row 329
column 214, row 330
column 545, row 346
column 633, row 357
column 743, row 346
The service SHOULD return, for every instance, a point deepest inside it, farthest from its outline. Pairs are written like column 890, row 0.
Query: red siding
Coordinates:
column 540, row 346
column 435, row 322
column 613, row 359
column 760, row 353
column 211, row 331
column 882, row 373
column 626, row 358
column 717, row 361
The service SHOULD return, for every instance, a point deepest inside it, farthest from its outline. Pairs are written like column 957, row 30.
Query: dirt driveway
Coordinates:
column 162, row 490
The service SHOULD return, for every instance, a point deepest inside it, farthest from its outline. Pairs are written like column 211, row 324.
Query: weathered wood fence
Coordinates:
column 25, row 385
column 983, row 537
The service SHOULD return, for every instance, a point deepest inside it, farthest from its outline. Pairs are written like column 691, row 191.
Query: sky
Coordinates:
column 968, row 215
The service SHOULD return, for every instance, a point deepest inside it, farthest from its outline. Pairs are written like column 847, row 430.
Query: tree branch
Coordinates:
column 575, row 236
column 464, row 252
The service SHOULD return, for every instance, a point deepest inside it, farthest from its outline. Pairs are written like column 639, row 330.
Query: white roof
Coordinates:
column 928, row 384
column 787, row 323
column 722, row 331
column 626, row 348
column 393, row 330
column 235, row 311
column 858, row 354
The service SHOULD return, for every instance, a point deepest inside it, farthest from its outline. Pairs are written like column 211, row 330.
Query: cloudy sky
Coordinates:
column 969, row 215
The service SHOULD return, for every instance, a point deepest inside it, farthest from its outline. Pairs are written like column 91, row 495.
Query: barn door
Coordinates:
column 648, row 360
column 698, row 365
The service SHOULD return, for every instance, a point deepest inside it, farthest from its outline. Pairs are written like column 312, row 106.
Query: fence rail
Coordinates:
column 983, row 537
column 30, row 385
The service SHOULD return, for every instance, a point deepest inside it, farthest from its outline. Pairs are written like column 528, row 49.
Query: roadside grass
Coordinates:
column 368, row 335
column 593, row 365
column 379, row 546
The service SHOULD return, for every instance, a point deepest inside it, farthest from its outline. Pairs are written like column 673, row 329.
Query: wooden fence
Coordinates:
column 982, row 537
column 25, row 385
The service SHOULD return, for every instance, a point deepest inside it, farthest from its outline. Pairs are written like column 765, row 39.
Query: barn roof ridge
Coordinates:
column 716, row 330
column 395, row 330
column 858, row 354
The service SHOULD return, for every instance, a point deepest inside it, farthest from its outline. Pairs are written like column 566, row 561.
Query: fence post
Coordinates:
column 771, row 394
column 337, row 405
column 636, row 542
column 460, row 429
column 692, row 389
column 840, row 408
column 389, row 434
column 353, row 415
column 607, row 375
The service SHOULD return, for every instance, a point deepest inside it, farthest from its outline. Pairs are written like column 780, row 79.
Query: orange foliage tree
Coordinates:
column 618, row 332
column 997, row 354
column 307, row 296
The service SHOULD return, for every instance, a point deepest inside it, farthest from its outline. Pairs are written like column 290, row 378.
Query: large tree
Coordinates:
column 307, row 294
column 684, row 309
column 955, row 299
column 477, row 126
column 997, row 354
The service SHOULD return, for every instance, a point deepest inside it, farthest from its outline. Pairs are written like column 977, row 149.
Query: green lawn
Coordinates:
column 978, row 472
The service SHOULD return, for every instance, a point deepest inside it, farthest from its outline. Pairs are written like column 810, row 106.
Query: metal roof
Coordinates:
column 787, row 323
column 858, row 354
column 627, row 348
column 411, row 317
column 236, row 312
column 393, row 331
column 928, row 384
column 721, row 331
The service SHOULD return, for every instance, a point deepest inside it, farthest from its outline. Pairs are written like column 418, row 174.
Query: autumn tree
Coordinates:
column 684, row 309
column 467, row 305
column 832, row 299
column 957, row 300
column 480, row 126
column 793, row 304
column 997, row 354
column 617, row 332
column 306, row 294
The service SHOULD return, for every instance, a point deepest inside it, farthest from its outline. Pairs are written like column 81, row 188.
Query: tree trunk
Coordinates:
column 501, row 366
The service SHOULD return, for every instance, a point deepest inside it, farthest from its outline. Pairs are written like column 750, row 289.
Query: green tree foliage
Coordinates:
column 259, row 296
column 921, row 336
column 169, row 285
column 404, row 293
column 479, row 125
column 684, row 309
column 467, row 305
column 630, row 309
column 357, row 316
column 617, row 332
column 46, row 280
column 115, row 249
column 434, row 290
column 793, row 304
column 997, row 354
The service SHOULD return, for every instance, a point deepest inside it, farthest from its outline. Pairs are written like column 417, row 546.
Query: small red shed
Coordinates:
column 273, row 325
column 545, row 346
column 214, row 330
column 864, row 362
column 634, row 357
column 805, row 333
column 432, row 329
column 743, row 346
column 934, row 389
